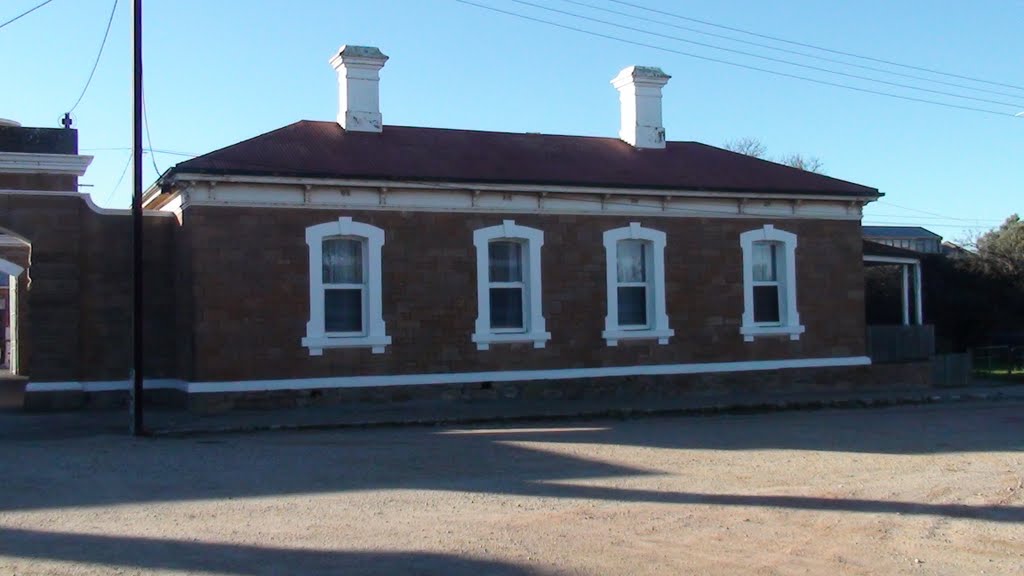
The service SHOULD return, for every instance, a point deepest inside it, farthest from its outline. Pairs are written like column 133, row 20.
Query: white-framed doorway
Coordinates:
column 12, row 273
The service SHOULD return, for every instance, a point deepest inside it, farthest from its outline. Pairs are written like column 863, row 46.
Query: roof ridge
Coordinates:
column 247, row 140
column 318, row 148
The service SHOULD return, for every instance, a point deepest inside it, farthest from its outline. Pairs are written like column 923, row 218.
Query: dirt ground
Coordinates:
column 921, row 490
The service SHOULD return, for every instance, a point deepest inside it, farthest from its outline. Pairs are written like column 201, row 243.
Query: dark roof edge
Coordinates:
column 174, row 171
column 787, row 166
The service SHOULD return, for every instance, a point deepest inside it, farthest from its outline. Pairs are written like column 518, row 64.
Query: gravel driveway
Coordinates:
column 921, row 490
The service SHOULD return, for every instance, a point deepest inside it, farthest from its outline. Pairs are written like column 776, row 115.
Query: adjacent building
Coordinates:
column 907, row 237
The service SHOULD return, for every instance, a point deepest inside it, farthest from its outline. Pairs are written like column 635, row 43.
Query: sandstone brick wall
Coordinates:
column 76, row 295
column 249, row 297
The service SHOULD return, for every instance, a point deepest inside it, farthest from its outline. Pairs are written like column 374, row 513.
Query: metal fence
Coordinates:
column 901, row 343
column 951, row 370
column 998, row 361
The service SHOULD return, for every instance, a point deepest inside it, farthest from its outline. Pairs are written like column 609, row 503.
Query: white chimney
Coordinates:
column 640, row 96
column 358, row 70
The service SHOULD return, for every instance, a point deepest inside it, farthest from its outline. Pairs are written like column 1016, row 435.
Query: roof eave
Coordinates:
column 173, row 176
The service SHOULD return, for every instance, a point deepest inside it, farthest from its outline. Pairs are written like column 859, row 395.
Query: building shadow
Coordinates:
column 525, row 460
column 239, row 559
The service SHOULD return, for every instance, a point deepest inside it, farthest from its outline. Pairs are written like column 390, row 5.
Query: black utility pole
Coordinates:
column 136, row 398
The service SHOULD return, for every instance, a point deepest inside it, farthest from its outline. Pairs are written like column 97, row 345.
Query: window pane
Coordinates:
column 766, row 265
column 506, row 261
column 633, row 306
column 766, row 304
column 631, row 261
column 507, row 308
column 343, row 261
column 343, row 310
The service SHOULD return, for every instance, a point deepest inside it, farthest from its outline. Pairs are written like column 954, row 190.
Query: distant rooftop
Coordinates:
column 908, row 232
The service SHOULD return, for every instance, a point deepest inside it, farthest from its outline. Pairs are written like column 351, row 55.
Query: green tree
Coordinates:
column 1003, row 247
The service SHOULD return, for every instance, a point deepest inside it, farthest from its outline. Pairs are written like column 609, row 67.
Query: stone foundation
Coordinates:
column 108, row 400
column 611, row 391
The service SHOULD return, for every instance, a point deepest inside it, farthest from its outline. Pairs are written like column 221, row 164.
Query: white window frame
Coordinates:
column 374, row 334
column 789, row 324
column 534, row 330
column 657, row 327
column 363, row 287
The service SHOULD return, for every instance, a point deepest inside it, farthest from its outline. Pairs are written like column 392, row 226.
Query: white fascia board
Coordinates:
column 463, row 200
column 38, row 163
column 484, row 186
column 891, row 259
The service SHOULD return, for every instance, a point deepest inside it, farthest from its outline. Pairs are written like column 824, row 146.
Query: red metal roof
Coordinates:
column 400, row 153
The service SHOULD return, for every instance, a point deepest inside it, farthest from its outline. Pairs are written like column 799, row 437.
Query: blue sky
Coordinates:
column 220, row 71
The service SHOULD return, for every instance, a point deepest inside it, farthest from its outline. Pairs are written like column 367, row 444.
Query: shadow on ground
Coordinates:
column 238, row 559
column 114, row 469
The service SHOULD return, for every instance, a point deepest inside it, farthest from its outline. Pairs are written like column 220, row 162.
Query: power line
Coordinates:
column 697, row 212
column 120, row 179
column 887, row 203
column 156, row 150
column 26, row 13
column 1015, row 105
column 98, row 55
column 788, row 51
column 805, row 45
column 867, row 222
column 939, row 218
column 149, row 138
column 737, row 64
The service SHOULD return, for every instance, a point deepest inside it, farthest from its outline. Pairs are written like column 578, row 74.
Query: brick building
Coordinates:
column 353, row 260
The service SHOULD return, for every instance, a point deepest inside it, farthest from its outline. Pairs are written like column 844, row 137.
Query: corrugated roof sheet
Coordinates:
column 876, row 249
column 902, row 232
column 399, row 153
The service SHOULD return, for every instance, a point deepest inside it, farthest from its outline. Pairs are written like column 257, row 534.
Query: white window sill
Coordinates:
column 317, row 344
column 484, row 341
column 750, row 332
column 612, row 337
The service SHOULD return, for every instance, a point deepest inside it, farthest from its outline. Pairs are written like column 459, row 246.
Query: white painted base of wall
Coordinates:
column 450, row 378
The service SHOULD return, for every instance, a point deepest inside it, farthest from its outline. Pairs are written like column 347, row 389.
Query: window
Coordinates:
column 769, row 284
column 345, row 300
column 632, row 284
column 767, row 288
column 635, row 272
column 509, row 286
column 344, row 286
column 505, row 271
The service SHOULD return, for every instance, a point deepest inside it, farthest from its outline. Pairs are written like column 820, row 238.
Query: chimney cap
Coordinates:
column 348, row 55
column 641, row 75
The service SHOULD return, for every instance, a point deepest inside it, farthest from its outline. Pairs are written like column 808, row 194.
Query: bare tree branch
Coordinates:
column 749, row 146
column 806, row 163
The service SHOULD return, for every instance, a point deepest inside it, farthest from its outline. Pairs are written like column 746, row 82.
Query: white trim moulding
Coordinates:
column 40, row 163
column 456, row 377
column 554, row 200
column 489, row 187
column 891, row 259
column 86, row 198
